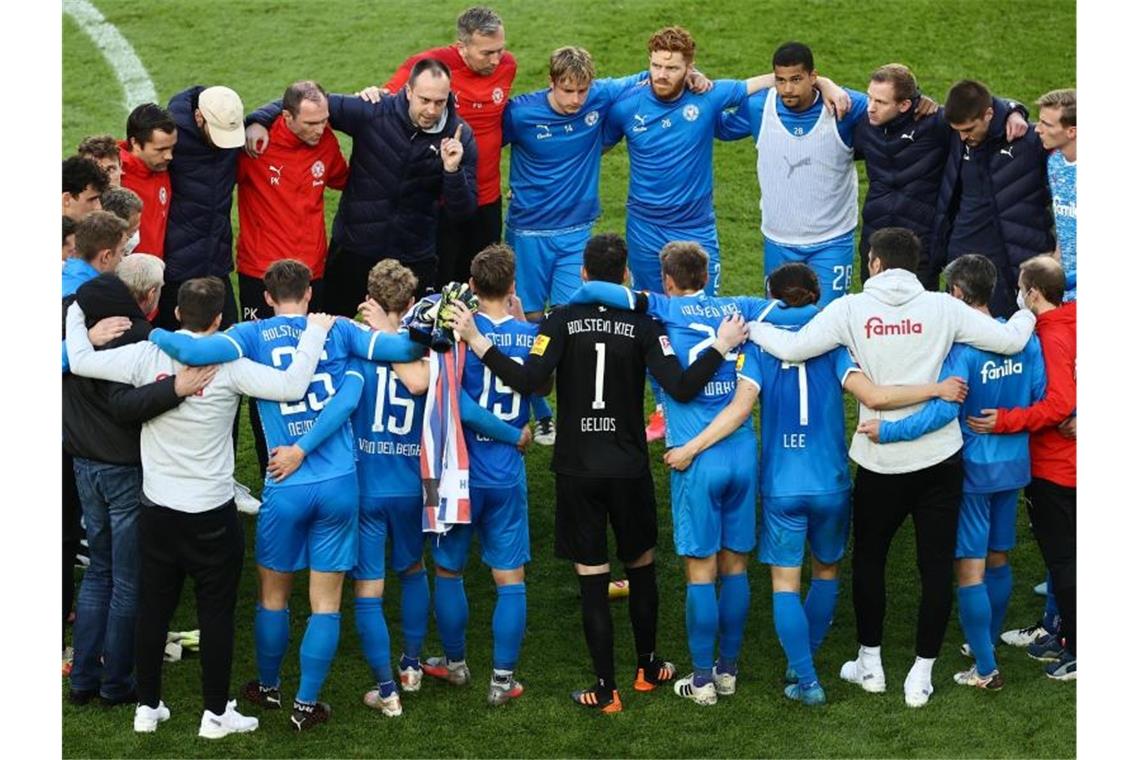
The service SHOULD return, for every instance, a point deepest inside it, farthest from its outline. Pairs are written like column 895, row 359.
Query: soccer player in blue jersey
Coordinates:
column 805, row 483
column 669, row 134
column 809, row 191
column 310, row 520
column 388, row 424
column 498, row 497
column 996, row 468
column 1057, row 127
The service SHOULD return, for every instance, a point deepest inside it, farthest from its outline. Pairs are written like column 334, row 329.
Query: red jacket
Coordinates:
column 281, row 201
column 481, row 101
column 1053, row 457
column 154, row 189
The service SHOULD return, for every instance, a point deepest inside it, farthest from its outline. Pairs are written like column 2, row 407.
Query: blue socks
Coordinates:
column 373, row 630
column 508, row 623
column 540, row 407
column 317, row 650
column 732, row 604
column 701, row 624
column 999, row 587
column 271, row 640
column 974, row 615
column 451, row 616
column 793, row 631
column 415, row 600
column 1052, row 614
column 819, row 607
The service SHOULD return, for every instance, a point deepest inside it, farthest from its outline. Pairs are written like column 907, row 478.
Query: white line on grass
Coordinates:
column 137, row 86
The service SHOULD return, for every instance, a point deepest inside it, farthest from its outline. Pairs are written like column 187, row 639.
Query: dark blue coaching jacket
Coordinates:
column 904, row 159
column 199, row 239
column 396, row 181
column 1019, row 186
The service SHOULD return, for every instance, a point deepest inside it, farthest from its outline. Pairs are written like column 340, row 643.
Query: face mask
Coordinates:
column 132, row 244
column 1021, row 300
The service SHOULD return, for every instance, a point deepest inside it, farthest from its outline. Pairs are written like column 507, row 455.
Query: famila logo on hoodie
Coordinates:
column 991, row 370
column 877, row 327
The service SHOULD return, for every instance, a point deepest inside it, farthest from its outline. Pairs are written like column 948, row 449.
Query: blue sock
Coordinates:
column 415, row 601
column 701, row 624
column 999, row 586
column 271, row 640
column 387, row 688
column 1052, row 615
column 793, row 632
column 508, row 624
column 819, row 607
column 373, row 630
column 317, row 650
column 541, row 407
column 974, row 615
column 451, row 616
column 732, row 605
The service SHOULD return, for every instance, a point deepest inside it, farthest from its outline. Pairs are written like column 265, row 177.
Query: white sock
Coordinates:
column 870, row 655
column 922, row 668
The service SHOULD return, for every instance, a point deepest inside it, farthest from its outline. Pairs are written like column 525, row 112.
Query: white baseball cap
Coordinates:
column 222, row 109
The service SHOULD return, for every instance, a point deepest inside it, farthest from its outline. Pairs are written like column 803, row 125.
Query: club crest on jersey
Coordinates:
column 991, row 370
column 691, row 112
column 317, row 169
column 162, row 195
column 540, row 344
column 497, row 94
column 591, row 118
column 875, row 326
column 666, row 346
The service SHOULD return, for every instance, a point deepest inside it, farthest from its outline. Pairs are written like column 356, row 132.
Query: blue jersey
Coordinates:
column 670, row 150
column 1063, row 185
column 273, row 342
column 991, row 462
column 803, row 445
column 388, row 424
column 491, row 463
column 555, row 158
column 691, row 323
column 745, row 122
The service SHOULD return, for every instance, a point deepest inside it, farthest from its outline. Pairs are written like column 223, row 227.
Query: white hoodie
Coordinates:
column 899, row 333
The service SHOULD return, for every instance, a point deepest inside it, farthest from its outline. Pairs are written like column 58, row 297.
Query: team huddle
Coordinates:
column 395, row 425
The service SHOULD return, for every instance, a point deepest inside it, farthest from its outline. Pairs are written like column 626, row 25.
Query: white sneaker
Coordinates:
column 244, row 499
column 725, row 683
column 389, row 706
column 1023, row 637
column 702, row 695
column 230, row 722
column 148, row 718
column 917, row 689
column 868, row 675
column 410, row 679
column 544, row 433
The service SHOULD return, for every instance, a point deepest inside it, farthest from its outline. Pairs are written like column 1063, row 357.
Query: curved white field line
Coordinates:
column 137, row 86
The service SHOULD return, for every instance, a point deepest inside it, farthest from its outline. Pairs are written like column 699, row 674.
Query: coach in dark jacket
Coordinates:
column 410, row 153
column 199, row 239
column 101, row 423
column 905, row 159
column 994, row 198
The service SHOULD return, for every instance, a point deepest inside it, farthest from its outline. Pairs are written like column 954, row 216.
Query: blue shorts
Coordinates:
column 831, row 261
column 714, row 505
column 311, row 525
column 787, row 520
column 499, row 516
column 548, row 265
column 400, row 517
column 987, row 522
column 645, row 241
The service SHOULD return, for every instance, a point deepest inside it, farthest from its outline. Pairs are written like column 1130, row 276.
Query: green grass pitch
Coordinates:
column 257, row 47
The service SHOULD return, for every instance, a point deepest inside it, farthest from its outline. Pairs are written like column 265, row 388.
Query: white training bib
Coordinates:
column 809, row 191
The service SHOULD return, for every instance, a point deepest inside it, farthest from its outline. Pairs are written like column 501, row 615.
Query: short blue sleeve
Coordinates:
column 748, row 364
column 744, row 121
